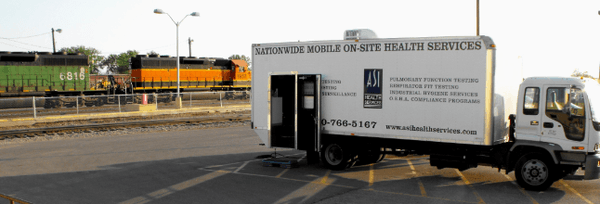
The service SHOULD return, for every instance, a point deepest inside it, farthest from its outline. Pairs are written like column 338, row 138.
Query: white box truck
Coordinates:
column 360, row 98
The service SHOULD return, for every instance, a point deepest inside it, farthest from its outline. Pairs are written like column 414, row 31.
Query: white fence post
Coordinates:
column 77, row 103
column 119, row 99
column 34, row 112
column 221, row 99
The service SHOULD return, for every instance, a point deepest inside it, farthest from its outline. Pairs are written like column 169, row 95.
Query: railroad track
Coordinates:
column 32, row 132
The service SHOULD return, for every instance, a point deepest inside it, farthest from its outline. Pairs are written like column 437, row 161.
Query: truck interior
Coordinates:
column 567, row 106
column 294, row 111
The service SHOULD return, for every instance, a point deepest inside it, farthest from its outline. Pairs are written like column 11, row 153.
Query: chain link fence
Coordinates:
column 47, row 106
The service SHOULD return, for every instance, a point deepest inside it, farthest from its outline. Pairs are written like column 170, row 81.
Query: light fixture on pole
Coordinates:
column 196, row 14
column 53, row 42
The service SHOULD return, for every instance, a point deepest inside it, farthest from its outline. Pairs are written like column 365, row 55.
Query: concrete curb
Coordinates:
column 31, row 121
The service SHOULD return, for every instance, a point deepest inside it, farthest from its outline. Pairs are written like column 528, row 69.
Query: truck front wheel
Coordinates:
column 534, row 172
column 335, row 157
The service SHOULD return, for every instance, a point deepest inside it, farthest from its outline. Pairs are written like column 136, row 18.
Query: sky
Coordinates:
column 541, row 38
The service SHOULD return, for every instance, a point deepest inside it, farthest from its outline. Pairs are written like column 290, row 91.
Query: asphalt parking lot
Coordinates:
column 220, row 165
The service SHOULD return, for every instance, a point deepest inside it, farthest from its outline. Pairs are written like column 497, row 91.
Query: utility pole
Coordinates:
column 190, row 42
column 53, row 42
column 477, row 17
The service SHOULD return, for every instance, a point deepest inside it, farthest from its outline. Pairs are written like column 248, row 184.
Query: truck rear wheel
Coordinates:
column 336, row 157
column 534, row 172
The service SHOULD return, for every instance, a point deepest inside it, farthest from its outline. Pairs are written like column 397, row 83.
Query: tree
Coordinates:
column 92, row 54
column 577, row 73
column 123, row 61
column 242, row 57
column 118, row 64
column 110, row 63
column 153, row 53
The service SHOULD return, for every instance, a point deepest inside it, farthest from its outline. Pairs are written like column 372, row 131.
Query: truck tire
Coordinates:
column 335, row 157
column 534, row 172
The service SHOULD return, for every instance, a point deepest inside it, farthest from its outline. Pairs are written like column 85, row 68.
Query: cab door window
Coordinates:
column 532, row 100
column 567, row 106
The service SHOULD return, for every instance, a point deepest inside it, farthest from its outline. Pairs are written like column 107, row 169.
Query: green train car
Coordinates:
column 43, row 74
column 50, row 75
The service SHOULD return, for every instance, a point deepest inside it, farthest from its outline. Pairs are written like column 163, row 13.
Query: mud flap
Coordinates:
column 592, row 167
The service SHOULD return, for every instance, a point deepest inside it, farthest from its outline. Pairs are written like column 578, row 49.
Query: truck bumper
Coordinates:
column 592, row 167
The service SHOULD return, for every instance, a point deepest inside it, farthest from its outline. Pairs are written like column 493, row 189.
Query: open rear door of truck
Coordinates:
column 294, row 111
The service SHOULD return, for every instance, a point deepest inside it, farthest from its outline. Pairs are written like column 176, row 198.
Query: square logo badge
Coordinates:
column 373, row 91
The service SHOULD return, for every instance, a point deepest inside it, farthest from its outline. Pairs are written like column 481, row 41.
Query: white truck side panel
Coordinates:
column 430, row 89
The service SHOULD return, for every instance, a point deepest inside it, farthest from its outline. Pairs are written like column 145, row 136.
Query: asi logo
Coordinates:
column 373, row 97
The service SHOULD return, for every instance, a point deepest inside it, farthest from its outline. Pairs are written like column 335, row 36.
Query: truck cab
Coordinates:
column 556, row 123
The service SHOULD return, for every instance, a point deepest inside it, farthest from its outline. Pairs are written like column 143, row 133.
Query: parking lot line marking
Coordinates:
column 283, row 172
column 470, row 186
column 324, row 180
column 222, row 165
column 174, row 188
column 371, row 175
column 414, row 172
column 301, row 158
column 307, row 191
column 575, row 191
column 338, row 185
column 521, row 189
column 411, row 195
column 241, row 167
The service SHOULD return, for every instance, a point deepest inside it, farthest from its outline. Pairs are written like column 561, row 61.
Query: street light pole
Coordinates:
column 160, row 11
column 53, row 41
column 190, row 42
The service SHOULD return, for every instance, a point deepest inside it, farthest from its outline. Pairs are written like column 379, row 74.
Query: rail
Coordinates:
column 38, row 131
column 13, row 199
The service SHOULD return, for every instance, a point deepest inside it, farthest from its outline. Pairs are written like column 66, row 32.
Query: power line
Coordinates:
column 17, row 46
column 27, row 43
column 26, row 36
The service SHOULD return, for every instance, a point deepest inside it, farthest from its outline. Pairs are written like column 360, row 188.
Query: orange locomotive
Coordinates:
column 159, row 74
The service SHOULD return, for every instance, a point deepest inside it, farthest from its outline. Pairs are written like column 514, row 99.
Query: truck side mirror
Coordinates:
column 596, row 125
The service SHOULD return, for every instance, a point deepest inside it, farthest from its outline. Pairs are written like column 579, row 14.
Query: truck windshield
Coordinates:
column 592, row 89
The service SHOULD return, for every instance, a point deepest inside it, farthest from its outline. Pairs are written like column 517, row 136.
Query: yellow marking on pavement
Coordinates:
column 174, row 188
column 23, row 119
column 371, row 175
column 330, row 183
column 309, row 190
column 521, row 189
column 414, row 171
column 280, row 174
column 324, row 180
column 470, row 186
column 575, row 191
